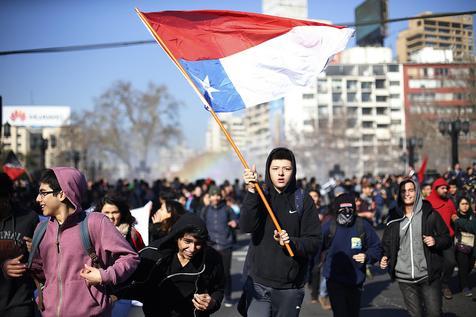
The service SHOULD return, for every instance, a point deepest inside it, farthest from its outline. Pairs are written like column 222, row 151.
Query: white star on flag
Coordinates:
column 206, row 85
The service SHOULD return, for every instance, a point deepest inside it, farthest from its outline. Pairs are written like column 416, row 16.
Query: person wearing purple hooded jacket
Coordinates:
column 72, row 285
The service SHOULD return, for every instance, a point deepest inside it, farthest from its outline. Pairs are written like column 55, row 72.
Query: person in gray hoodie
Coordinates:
column 413, row 246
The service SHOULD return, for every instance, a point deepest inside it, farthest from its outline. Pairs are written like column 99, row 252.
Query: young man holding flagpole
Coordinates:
column 275, row 283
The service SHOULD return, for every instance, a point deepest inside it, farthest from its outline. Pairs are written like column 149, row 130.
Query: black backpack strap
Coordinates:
column 299, row 202
column 86, row 241
column 35, row 241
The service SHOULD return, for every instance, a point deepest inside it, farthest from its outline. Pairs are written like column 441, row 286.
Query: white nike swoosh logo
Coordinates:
column 292, row 211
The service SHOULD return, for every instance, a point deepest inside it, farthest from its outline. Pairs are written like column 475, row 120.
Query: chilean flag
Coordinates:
column 12, row 166
column 241, row 59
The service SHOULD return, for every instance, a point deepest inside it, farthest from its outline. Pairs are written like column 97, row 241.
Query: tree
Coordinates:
column 128, row 124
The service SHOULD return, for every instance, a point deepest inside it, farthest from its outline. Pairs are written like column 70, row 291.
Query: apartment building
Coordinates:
column 454, row 33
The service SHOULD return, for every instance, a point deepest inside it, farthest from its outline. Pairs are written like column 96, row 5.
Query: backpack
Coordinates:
column 359, row 226
column 85, row 239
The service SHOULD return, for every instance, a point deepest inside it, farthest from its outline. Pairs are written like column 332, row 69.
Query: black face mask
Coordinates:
column 345, row 216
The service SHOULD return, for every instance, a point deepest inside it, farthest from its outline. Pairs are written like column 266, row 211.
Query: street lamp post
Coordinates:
column 43, row 144
column 411, row 145
column 453, row 129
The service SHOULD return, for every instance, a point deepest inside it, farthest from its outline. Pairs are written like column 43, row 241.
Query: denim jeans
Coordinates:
column 422, row 296
column 263, row 301
column 323, row 287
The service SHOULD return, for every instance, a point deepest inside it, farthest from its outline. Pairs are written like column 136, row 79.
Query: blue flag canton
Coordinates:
column 214, row 84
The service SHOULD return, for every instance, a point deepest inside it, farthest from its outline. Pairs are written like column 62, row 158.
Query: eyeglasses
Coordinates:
column 44, row 194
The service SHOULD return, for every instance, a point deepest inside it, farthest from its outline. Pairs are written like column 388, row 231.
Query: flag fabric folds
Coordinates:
column 421, row 171
column 12, row 166
column 241, row 59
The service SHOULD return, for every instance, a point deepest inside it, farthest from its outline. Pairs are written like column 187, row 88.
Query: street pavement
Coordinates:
column 380, row 298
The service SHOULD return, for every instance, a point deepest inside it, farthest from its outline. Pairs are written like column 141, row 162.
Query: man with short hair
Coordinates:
column 440, row 202
column 275, row 284
column 74, row 286
column 221, row 222
column 412, row 247
column 425, row 190
column 453, row 191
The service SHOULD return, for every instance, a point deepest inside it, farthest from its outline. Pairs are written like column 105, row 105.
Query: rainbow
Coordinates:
column 219, row 166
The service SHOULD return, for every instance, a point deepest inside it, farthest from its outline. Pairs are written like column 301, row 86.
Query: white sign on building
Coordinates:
column 36, row 116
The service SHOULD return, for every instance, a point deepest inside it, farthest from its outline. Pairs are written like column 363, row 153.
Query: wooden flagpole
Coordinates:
column 213, row 113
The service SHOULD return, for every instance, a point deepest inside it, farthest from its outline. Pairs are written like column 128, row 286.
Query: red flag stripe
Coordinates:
column 213, row 34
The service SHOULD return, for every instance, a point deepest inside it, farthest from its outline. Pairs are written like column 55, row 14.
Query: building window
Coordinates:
column 323, row 110
column 366, row 97
column 367, row 137
column 394, row 96
column 393, row 68
column 441, row 71
column 381, row 98
column 366, row 85
column 380, row 83
column 366, row 111
column 351, row 123
column 336, row 85
column 381, row 111
column 394, row 83
column 415, row 37
column 308, row 96
column 322, row 86
column 352, row 111
column 337, row 97
column 378, row 70
column 351, row 97
column 337, row 111
column 351, row 84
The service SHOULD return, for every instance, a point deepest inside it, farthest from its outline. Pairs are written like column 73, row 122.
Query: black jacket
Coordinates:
column 432, row 225
column 267, row 262
column 16, row 292
column 166, row 294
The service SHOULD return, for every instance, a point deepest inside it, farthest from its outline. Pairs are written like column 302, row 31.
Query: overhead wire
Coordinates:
column 74, row 48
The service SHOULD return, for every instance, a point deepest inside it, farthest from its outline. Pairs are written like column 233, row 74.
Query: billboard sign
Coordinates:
column 36, row 116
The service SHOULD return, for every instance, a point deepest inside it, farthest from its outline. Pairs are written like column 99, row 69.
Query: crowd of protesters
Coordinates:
column 186, row 216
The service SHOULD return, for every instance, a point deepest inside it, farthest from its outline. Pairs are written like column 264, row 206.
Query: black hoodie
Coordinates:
column 267, row 262
column 15, row 292
column 165, row 292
